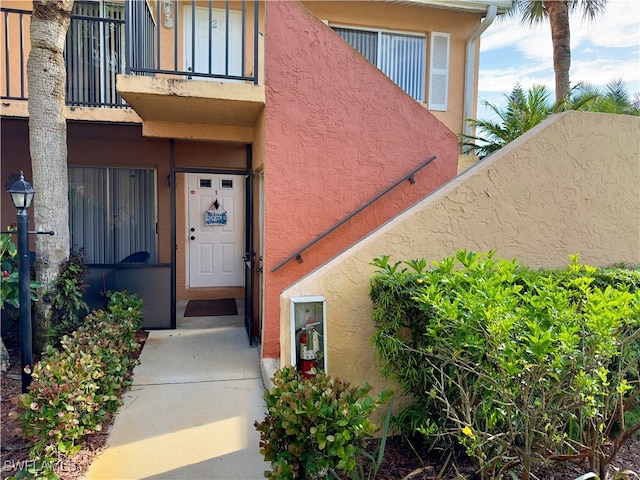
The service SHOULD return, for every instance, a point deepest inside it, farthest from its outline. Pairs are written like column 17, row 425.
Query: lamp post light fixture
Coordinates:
column 21, row 195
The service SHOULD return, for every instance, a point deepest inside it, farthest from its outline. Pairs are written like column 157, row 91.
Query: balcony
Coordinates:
column 171, row 61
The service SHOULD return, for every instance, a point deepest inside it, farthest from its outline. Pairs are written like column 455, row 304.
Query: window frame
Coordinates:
column 407, row 33
column 107, row 227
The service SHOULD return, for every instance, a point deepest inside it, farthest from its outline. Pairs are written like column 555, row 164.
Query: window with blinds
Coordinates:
column 112, row 212
column 400, row 56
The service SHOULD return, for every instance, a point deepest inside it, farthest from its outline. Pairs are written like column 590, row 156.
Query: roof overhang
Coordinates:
column 474, row 6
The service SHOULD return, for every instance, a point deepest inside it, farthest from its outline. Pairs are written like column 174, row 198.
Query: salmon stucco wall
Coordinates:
column 338, row 132
column 571, row 185
column 414, row 18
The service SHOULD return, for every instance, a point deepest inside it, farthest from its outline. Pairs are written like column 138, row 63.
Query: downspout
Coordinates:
column 470, row 64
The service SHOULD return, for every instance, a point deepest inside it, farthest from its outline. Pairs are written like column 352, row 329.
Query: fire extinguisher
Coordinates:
column 308, row 347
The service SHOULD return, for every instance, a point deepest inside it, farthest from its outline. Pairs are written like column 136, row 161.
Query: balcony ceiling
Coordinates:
column 167, row 101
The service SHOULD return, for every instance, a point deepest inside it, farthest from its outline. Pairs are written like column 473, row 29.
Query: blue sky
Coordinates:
column 602, row 50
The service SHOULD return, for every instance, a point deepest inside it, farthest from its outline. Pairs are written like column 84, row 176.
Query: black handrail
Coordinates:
column 298, row 254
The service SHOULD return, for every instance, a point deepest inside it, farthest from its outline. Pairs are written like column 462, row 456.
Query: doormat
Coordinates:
column 211, row 308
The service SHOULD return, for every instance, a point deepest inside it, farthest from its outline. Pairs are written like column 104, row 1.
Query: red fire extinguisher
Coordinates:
column 307, row 358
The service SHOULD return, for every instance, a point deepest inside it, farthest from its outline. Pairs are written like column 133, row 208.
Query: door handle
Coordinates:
column 192, row 237
column 193, row 229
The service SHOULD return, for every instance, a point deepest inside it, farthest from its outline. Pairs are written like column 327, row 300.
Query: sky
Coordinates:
column 601, row 51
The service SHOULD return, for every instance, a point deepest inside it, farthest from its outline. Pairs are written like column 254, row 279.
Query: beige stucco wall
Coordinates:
column 571, row 185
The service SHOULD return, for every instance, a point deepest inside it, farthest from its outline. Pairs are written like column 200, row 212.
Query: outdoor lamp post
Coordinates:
column 21, row 195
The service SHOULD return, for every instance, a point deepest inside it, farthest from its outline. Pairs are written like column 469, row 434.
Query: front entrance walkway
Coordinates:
column 191, row 409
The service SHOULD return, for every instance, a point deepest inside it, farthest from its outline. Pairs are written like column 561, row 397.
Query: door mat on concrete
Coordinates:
column 211, row 308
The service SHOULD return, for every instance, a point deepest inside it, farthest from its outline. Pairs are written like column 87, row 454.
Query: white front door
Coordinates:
column 214, row 59
column 215, row 235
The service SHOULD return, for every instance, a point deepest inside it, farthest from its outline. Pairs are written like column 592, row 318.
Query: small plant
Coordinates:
column 10, row 283
column 67, row 304
column 615, row 474
column 315, row 426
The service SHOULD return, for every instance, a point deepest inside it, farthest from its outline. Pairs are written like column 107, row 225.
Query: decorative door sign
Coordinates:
column 216, row 215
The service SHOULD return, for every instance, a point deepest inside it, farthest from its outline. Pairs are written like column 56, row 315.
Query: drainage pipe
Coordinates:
column 470, row 63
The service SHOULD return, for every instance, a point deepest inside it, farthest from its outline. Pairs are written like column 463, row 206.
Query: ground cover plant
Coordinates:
column 76, row 385
column 518, row 368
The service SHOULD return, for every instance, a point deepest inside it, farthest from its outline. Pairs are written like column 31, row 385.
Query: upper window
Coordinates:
column 112, row 213
column 400, row 56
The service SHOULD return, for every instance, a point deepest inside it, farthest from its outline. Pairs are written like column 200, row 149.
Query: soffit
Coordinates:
column 475, row 6
column 171, row 100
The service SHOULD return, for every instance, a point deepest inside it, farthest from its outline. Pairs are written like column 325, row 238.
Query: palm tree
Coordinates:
column 46, row 75
column 612, row 98
column 557, row 12
column 523, row 112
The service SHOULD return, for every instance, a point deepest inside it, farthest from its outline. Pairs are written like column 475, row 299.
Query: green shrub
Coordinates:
column 516, row 366
column 10, row 283
column 315, row 426
column 68, row 307
column 74, row 386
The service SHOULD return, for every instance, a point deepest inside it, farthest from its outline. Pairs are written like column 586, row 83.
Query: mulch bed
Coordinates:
column 401, row 460
column 414, row 462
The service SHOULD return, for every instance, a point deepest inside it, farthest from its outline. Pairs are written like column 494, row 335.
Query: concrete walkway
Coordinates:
column 190, row 412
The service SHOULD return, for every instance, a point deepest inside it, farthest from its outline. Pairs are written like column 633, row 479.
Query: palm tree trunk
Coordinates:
column 46, row 75
column 561, row 38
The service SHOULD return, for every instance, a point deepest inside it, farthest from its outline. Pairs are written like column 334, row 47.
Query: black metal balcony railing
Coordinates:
column 224, row 51
column 132, row 38
column 94, row 55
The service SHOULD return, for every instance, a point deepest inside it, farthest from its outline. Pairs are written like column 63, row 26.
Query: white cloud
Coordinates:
column 534, row 42
column 527, row 75
column 602, row 50
column 619, row 26
column 603, row 70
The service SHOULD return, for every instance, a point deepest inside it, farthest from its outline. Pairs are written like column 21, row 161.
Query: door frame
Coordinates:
column 193, row 216
column 248, row 237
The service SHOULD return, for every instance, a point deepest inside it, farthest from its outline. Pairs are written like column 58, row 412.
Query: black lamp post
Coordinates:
column 21, row 195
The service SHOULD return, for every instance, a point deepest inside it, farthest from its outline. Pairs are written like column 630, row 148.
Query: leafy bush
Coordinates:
column 315, row 426
column 68, row 307
column 73, row 387
column 515, row 366
column 10, row 283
